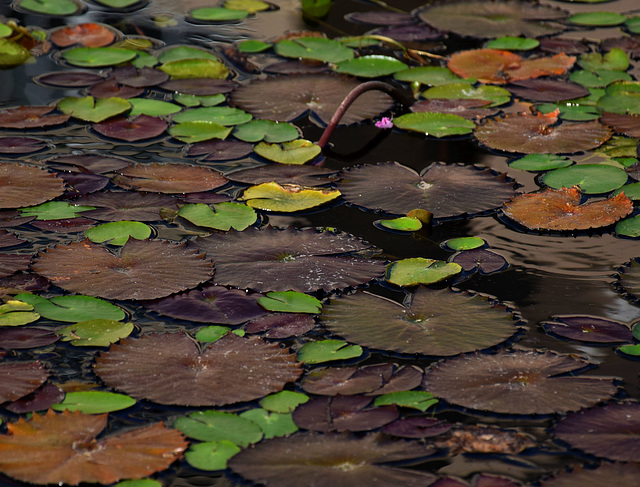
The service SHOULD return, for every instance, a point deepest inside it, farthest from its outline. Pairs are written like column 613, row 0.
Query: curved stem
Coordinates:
column 396, row 93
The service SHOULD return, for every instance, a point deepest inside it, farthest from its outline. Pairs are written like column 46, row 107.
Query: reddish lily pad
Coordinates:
column 88, row 163
column 284, row 174
column 287, row 98
column 589, row 329
column 444, row 190
column 39, row 400
column 169, row 178
column 22, row 185
column 74, row 455
column 111, row 88
column 169, row 369
column 30, row 117
column 143, row 269
column 126, row 205
column 138, row 128
column 88, row 35
column 517, row 383
column 220, row 150
column 17, row 379
column 21, row 145
column 79, row 184
column 282, row 260
column 26, row 337
column 9, row 239
column 211, row 304
column 281, row 325
column 547, row 90
column 129, row 75
column 560, row 209
column 531, row 134
column 69, row 79
column 623, row 124
column 433, row 322
column 12, row 263
column 331, row 460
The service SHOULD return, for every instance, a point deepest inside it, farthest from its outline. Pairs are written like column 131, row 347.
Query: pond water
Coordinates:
column 548, row 273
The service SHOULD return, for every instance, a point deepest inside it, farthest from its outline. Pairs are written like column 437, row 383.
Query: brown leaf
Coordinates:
column 482, row 439
column 169, row 178
column 22, row 185
column 30, row 117
column 17, row 379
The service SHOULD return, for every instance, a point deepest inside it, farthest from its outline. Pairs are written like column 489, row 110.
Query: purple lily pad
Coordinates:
column 114, row 206
column 30, row 117
column 410, row 33
column 629, row 44
column 342, row 413
column 12, row 218
column 305, row 66
column 80, row 184
column 282, row 260
column 468, row 108
column 204, row 197
column 284, row 174
column 588, row 329
column 24, row 282
column 65, row 225
column 88, row 162
column 281, row 325
column 21, row 145
column 481, row 480
column 611, row 431
column 69, row 79
column 134, row 129
column 380, row 17
column 26, row 337
column 198, row 86
column 220, row 150
column 139, row 78
column 111, row 88
column 624, row 124
column 623, row 474
column 547, row 90
column 555, row 45
column 12, row 263
column 485, row 261
column 8, row 239
column 17, row 379
column 417, row 427
column 39, row 400
column 211, row 304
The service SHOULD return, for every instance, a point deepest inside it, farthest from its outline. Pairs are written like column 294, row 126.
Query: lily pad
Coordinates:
column 221, row 115
column 462, row 91
column 290, row 302
column 223, row 216
column 283, row 401
column 284, row 174
column 72, row 308
column 540, row 162
column 431, row 75
column 590, row 329
column 217, row 14
column 140, row 127
column 118, row 233
column 69, row 79
column 482, row 260
column 297, row 151
column 169, row 178
column 217, row 426
column 317, row 48
column 26, row 337
column 420, row 400
column 281, row 325
column 191, row 132
column 20, row 379
column 195, row 69
column 272, row 424
column 434, row 124
column 511, row 43
column 616, row 59
column 22, row 185
column 21, row 145
column 402, row 224
column 51, row 7
column 431, row 322
column 630, row 227
column 30, row 117
column 95, row 333
column 327, row 350
column 98, row 57
column 88, row 34
column 126, row 205
column 94, row 402
column 92, row 110
column 547, row 90
column 268, row 130
column 624, row 473
column 606, row 19
column 54, row 210
column 463, row 243
column 232, row 369
column 411, row 272
column 286, row 198
column 589, row 178
column 372, row 66
column 220, row 150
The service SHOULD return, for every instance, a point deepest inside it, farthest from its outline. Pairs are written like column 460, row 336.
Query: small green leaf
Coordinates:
column 629, row 227
column 73, row 308
column 272, row 424
column 16, row 313
column 296, row 152
column 431, row 75
column 195, row 68
column 214, row 333
column 599, row 78
column 139, row 482
column 253, row 46
column 511, row 43
column 217, row 425
column 118, row 233
column 604, row 19
column 316, row 8
column 153, row 108
column 220, row 115
column 290, row 302
column 421, row 400
column 251, row 6
column 118, row 4
column 590, row 178
column 144, row 60
column 633, row 25
column 615, row 60
column 5, row 30
column 318, row 48
column 179, row 53
column 462, row 91
column 191, row 132
column 540, row 162
column 411, row 272
column 194, row 101
column 95, row 333
column 463, row 243
column 94, row 402
column 98, row 57
column 631, row 190
column 267, row 130
column 50, row 7
column 286, row 197
column 217, row 14
column 618, row 146
column 327, row 350
column 370, row 66
column 283, row 401
column 630, row 350
column 402, row 224
column 572, row 112
column 434, row 124
column 211, row 456
column 93, row 110
column 12, row 54
column 223, row 216
column 54, row 210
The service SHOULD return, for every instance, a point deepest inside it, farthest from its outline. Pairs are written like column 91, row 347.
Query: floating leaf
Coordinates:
column 95, row 333
column 232, row 369
column 420, row 400
column 73, row 308
column 284, row 174
column 589, row 178
column 621, row 97
column 283, row 401
column 623, row 473
column 217, row 14
column 54, row 210
column 540, row 162
column 281, row 325
column 88, row 34
column 221, row 115
column 199, row 86
column 217, row 426
column 272, row 424
column 253, row 46
column 74, row 455
column 30, row 117
column 327, row 350
column 287, row 197
column 179, row 53
column 154, row 108
column 597, row 18
column 124, row 205
column 98, row 57
column 512, row 43
column 588, row 329
column 19, row 379
column 616, row 59
column 434, row 124
column 214, row 333
column 318, row 48
column 220, row 150
column 195, row 68
column 402, row 224
column 431, row 75
column 51, row 7
column 133, row 129
column 93, row 270
column 629, row 227
column 93, row 110
column 372, row 66
column 297, row 151
column 599, row 78
column 290, row 302
column 411, row 272
column 462, row 91
column 463, row 243
column 267, row 130
column 69, row 79
column 11, row 263
column 547, row 90
column 169, row 178
column 482, row 260
column 94, row 402
column 22, row 185
column 223, row 216
column 118, row 233
column 21, row 145
column 26, row 337
column 12, row 54
column 191, row 132
column 212, row 455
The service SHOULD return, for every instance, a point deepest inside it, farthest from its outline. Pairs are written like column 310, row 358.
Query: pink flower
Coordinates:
column 384, row 123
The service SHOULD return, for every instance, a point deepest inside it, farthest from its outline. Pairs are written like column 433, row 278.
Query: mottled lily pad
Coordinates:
column 432, row 322
column 591, row 329
column 287, row 198
column 169, row 178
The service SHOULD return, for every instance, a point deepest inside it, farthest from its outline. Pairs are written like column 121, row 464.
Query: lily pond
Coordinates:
column 295, row 243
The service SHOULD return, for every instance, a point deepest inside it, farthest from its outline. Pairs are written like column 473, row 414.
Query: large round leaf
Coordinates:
column 143, row 269
column 444, row 190
column 625, row 475
column 22, row 185
column 283, row 260
column 432, row 322
column 17, row 379
column 589, row 178
column 126, row 205
column 318, row 48
column 132, row 129
column 170, row 369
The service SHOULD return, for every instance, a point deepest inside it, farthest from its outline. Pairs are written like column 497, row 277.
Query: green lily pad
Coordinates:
column 615, row 60
column 73, row 308
column 211, row 334
column 290, row 302
column 629, row 227
column 272, row 424
column 283, row 401
column 297, row 151
column 195, row 68
column 633, row 25
column 217, row 14
column 5, row 30
column 217, row 425
column 118, row 233
column 251, row 6
column 54, row 210
column 572, row 112
column 220, row 115
column 93, row 110
column 195, row 101
column 540, row 162
column 12, row 54
column 267, row 130
column 462, row 91
column 223, row 216
column 431, row 75
column 599, row 78
column 420, row 400
column 590, row 178
column 191, row 132
column 94, row 402
column 434, row 124
column 402, row 224
column 179, row 53
column 118, row 4
column 139, row 482
column 51, row 7
column 630, row 190
column 318, row 48
column 253, row 46
column 630, row 349
column 16, row 313
column 463, row 243
column 327, row 350
column 411, row 272
column 602, row 19
column 212, row 455
column 95, row 333
column 98, row 57
column 286, row 197
column 621, row 97
column 315, row 8
column 153, row 108
column 371, row 66
column 510, row 43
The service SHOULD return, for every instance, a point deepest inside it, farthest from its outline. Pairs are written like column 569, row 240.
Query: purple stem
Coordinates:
column 398, row 94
